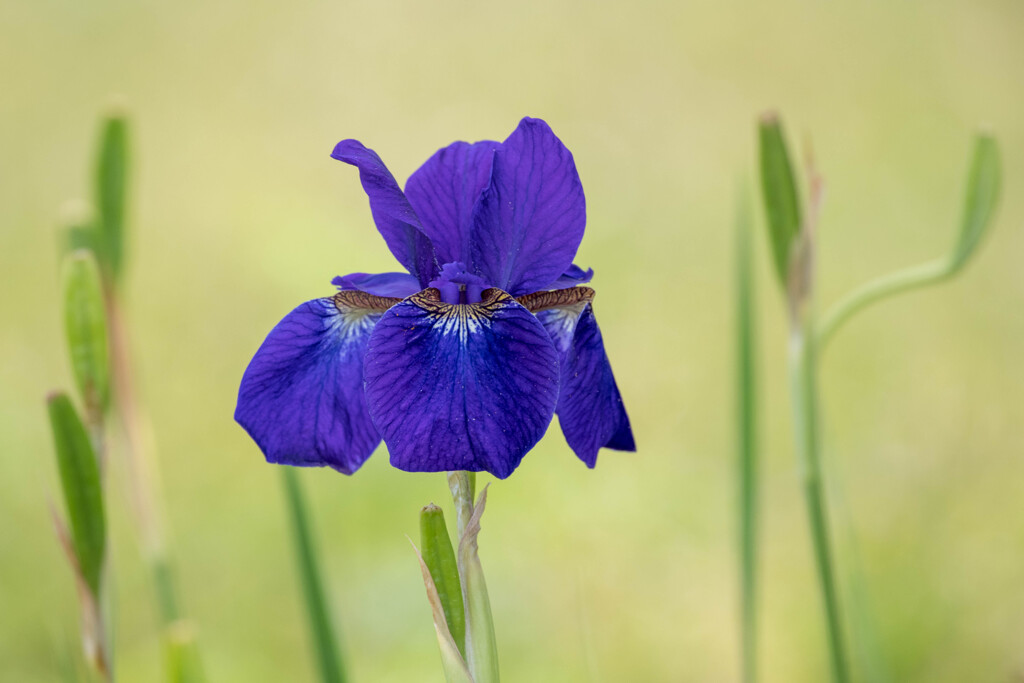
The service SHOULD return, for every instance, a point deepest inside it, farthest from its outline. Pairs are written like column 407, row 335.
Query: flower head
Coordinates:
column 461, row 362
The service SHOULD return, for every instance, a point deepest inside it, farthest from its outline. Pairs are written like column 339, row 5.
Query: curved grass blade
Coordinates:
column 982, row 195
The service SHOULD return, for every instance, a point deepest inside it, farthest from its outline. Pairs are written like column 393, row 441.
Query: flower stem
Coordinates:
column 481, row 645
column 463, row 487
column 803, row 378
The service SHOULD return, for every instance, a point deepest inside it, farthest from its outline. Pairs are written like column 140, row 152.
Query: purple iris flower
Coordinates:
column 460, row 363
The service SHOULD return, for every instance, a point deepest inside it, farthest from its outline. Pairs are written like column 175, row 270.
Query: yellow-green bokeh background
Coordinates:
column 623, row 573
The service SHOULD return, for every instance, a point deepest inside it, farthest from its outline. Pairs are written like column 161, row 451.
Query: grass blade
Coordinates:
column 111, row 189
column 746, row 422
column 324, row 640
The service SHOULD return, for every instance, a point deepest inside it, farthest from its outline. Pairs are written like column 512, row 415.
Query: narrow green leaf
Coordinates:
column 111, row 181
column 481, row 644
column 332, row 668
column 85, row 326
column 778, row 187
column 746, row 422
column 982, row 195
column 83, row 492
column 440, row 559
column 454, row 666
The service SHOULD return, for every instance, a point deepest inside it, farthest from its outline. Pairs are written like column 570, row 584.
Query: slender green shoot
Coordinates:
column 803, row 390
column 746, row 418
column 324, row 640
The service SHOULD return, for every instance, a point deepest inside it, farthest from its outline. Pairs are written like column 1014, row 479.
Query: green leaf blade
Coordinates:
column 111, row 190
column 778, row 187
column 439, row 556
column 746, row 445
column 331, row 665
column 85, row 327
column 982, row 196
column 82, row 486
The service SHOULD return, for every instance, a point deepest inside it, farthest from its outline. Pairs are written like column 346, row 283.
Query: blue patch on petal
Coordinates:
column 301, row 397
column 590, row 408
column 573, row 276
column 398, row 285
column 460, row 387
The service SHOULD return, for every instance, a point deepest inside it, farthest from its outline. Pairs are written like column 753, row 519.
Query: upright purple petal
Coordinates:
column 398, row 285
column 445, row 190
column 590, row 407
column 530, row 218
column 395, row 218
column 301, row 397
column 460, row 387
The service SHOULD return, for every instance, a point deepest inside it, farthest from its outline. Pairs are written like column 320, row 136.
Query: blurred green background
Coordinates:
column 623, row 573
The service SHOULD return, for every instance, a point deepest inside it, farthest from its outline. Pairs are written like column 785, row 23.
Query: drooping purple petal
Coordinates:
column 460, row 387
column 590, row 407
column 530, row 217
column 445, row 190
column 395, row 218
column 572, row 277
column 301, row 397
column 398, row 285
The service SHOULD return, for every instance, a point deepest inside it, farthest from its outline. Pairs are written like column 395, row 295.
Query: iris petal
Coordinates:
column 590, row 408
column 530, row 217
column 460, row 387
column 399, row 285
column 301, row 397
column 395, row 218
column 573, row 276
column 445, row 190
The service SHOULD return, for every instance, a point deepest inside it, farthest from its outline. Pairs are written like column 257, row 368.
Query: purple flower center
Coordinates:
column 457, row 286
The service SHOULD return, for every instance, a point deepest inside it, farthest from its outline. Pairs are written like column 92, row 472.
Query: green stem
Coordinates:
column 746, row 446
column 882, row 288
column 463, row 487
column 803, row 377
column 328, row 656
